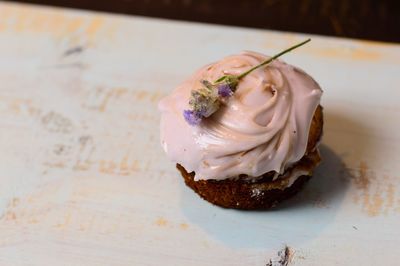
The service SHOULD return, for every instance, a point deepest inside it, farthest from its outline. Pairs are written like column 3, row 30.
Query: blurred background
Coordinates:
column 363, row 19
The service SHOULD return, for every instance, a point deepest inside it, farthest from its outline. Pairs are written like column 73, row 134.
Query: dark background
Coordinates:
column 364, row 19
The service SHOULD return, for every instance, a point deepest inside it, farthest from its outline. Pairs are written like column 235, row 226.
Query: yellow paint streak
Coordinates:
column 82, row 166
column 135, row 166
column 373, row 204
column 354, row 50
column 33, row 221
column 107, row 167
column 376, row 195
column 10, row 216
column 38, row 24
column 161, row 222
column 66, row 222
column 19, row 18
column 141, row 95
column 390, row 193
column 124, row 167
column 362, row 180
column 184, row 226
column 73, row 25
column 112, row 93
column 375, row 44
column 94, row 26
column 23, row 20
column 56, row 23
column 4, row 15
column 103, row 105
column 19, row 105
column 156, row 96
column 39, row 210
column 359, row 54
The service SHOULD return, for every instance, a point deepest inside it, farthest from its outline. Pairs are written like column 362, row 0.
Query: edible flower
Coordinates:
column 211, row 95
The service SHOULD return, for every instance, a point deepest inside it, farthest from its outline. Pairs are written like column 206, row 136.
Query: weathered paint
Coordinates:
column 85, row 182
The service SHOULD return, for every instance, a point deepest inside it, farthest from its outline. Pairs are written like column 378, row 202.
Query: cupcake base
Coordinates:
column 247, row 194
column 262, row 192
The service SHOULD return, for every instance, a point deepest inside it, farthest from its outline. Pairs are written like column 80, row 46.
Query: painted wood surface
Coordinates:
column 84, row 180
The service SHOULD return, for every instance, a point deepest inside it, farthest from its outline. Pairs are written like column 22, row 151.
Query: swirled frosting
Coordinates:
column 263, row 127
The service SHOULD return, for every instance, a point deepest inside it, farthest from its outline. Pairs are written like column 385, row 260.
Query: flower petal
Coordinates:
column 192, row 117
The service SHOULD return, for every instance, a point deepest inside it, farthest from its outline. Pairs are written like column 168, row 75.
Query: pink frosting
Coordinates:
column 263, row 127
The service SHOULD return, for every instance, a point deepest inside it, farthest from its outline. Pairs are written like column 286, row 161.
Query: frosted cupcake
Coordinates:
column 244, row 131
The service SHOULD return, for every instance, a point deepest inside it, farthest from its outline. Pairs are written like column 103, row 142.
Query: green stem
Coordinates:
column 272, row 58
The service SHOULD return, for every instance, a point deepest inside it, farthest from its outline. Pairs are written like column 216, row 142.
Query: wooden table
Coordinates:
column 85, row 181
column 362, row 19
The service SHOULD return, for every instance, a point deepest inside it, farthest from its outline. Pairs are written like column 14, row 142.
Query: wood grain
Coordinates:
column 85, row 181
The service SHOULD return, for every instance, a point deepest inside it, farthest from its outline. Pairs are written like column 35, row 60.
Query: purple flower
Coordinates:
column 193, row 118
column 225, row 90
column 208, row 99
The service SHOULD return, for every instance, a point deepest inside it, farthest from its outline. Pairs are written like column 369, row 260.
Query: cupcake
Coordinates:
column 244, row 131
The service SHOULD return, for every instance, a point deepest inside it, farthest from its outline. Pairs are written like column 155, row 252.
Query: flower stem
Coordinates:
column 272, row 58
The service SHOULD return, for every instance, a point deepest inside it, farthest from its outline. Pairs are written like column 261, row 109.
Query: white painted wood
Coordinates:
column 85, row 182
